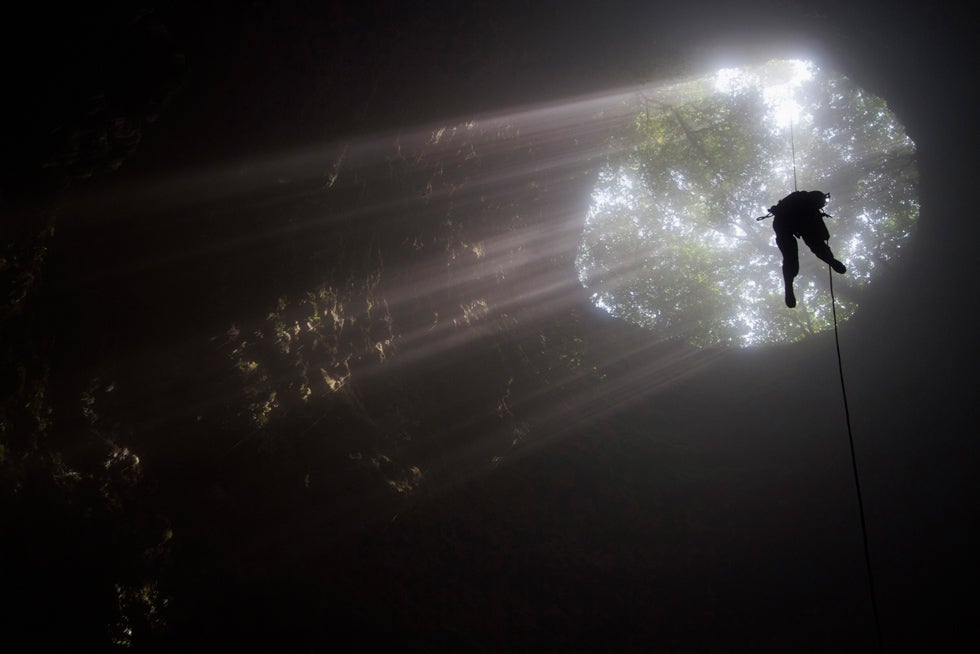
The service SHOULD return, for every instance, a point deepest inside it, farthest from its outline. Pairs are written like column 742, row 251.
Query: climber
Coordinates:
column 797, row 215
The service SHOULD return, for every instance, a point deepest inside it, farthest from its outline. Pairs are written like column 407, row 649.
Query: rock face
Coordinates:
column 294, row 348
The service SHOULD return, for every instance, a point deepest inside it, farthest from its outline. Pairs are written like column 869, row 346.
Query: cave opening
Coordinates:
column 670, row 241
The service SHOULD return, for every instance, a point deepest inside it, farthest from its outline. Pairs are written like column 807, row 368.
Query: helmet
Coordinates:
column 818, row 198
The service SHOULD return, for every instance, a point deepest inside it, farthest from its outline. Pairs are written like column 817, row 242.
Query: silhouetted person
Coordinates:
column 800, row 215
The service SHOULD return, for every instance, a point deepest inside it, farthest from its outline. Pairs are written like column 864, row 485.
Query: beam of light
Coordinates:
column 298, row 183
column 489, row 289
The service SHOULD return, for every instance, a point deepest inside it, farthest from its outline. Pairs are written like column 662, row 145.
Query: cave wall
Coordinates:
column 292, row 312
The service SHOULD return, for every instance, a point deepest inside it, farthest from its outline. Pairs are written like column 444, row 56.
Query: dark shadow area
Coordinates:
column 294, row 349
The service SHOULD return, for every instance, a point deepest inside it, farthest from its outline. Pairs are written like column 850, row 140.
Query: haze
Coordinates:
column 297, row 352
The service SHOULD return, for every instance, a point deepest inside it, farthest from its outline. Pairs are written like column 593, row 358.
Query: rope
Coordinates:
column 792, row 145
column 857, row 482
column 850, row 435
column 847, row 417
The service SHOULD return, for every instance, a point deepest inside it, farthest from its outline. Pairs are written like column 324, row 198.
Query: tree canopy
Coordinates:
column 671, row 241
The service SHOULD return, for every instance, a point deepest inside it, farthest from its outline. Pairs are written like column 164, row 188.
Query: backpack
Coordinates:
column 800, row 203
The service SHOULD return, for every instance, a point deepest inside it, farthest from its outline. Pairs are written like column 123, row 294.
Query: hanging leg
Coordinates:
column 822, row 250
column 791, row 264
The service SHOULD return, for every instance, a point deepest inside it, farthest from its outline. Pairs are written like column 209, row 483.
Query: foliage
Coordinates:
column 670, row 242
column 84, row 546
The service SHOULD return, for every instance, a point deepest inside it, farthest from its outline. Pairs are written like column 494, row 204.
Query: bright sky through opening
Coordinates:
column 671, row 241
column 779, row 95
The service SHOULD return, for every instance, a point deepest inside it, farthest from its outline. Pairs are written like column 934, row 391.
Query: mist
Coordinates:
column 298, row 348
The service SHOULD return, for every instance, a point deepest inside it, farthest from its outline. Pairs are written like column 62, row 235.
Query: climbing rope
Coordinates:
column 850, row 435
column 792, row 145
column 857, row 481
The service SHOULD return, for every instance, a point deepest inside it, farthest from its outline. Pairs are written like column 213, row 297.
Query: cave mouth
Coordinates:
column 671, row 241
